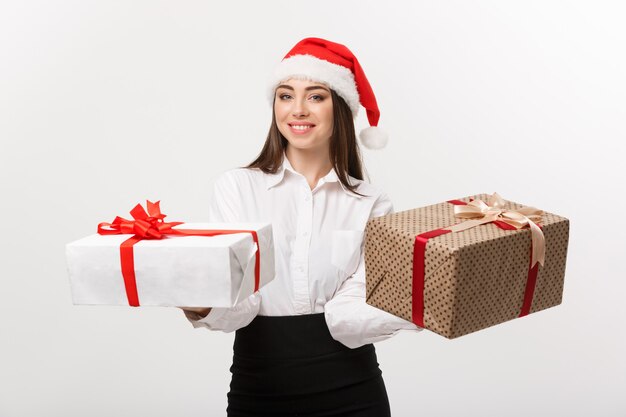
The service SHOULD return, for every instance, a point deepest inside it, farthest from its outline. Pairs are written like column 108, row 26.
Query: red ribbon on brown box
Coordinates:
column 481, row 212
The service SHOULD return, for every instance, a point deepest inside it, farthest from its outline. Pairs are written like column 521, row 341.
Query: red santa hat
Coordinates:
column 333, row 64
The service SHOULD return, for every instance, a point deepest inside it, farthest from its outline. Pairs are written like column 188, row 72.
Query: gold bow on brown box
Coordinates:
column 453, row 278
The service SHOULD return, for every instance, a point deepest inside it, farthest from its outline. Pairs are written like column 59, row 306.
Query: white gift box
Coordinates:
column 186, row 271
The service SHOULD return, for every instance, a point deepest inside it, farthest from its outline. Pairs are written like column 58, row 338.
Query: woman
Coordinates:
column 303, row 343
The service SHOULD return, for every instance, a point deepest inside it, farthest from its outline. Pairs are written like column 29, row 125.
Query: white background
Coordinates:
column 104, row 104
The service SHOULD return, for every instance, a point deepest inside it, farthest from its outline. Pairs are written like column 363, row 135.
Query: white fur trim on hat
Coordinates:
column 373, row 137
column 337, row 77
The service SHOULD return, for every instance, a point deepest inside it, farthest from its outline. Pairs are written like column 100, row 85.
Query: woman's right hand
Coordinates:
column 203, row 311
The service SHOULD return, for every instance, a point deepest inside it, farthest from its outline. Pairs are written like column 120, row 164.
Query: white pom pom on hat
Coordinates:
column 374, row 137
column 324, row 61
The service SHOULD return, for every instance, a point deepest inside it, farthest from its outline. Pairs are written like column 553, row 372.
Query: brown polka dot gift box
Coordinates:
column 464, row 265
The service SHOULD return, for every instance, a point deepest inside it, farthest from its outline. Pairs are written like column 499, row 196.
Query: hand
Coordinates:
column 203, row 311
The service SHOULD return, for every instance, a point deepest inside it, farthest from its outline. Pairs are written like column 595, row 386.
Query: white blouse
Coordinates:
column 318, row 243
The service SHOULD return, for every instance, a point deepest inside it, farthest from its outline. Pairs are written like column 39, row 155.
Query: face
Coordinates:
column 304, row 113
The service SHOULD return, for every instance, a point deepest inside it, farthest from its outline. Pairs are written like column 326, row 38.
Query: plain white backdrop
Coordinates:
column 104, row 104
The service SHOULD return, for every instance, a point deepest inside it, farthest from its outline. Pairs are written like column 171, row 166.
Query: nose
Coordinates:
column 299, row 108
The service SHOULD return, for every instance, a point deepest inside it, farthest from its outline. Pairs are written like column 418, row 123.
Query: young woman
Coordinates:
column 304, row 342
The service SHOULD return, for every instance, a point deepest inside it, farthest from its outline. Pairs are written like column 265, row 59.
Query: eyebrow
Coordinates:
column 315, row 87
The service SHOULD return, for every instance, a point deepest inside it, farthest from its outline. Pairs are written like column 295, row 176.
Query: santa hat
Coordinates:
column 333, row 64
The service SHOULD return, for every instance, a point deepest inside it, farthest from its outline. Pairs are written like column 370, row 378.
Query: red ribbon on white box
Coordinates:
column 150, row 225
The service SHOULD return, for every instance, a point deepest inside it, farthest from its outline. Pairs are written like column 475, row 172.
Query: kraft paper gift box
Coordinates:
column 174, row 270
column 455, row 283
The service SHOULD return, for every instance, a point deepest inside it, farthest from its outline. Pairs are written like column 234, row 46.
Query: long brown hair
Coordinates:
column 344, row 152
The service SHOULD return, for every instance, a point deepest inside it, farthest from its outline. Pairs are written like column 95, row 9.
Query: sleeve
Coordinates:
column 224, row 200
column 350, row 319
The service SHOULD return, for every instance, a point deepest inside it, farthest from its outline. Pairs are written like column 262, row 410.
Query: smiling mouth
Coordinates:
column 299, row 129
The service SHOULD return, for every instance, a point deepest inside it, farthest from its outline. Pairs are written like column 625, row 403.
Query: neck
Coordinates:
column 312, row 164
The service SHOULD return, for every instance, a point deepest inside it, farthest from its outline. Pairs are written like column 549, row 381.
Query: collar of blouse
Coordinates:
column 275, row 179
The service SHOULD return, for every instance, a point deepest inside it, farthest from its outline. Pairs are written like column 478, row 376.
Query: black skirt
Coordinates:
column 291, row 366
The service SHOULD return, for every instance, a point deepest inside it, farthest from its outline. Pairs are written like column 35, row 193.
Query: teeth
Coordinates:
column 301, row 127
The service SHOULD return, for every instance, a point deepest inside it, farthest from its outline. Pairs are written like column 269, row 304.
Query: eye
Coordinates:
column 284, row 96
column 317, row 97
